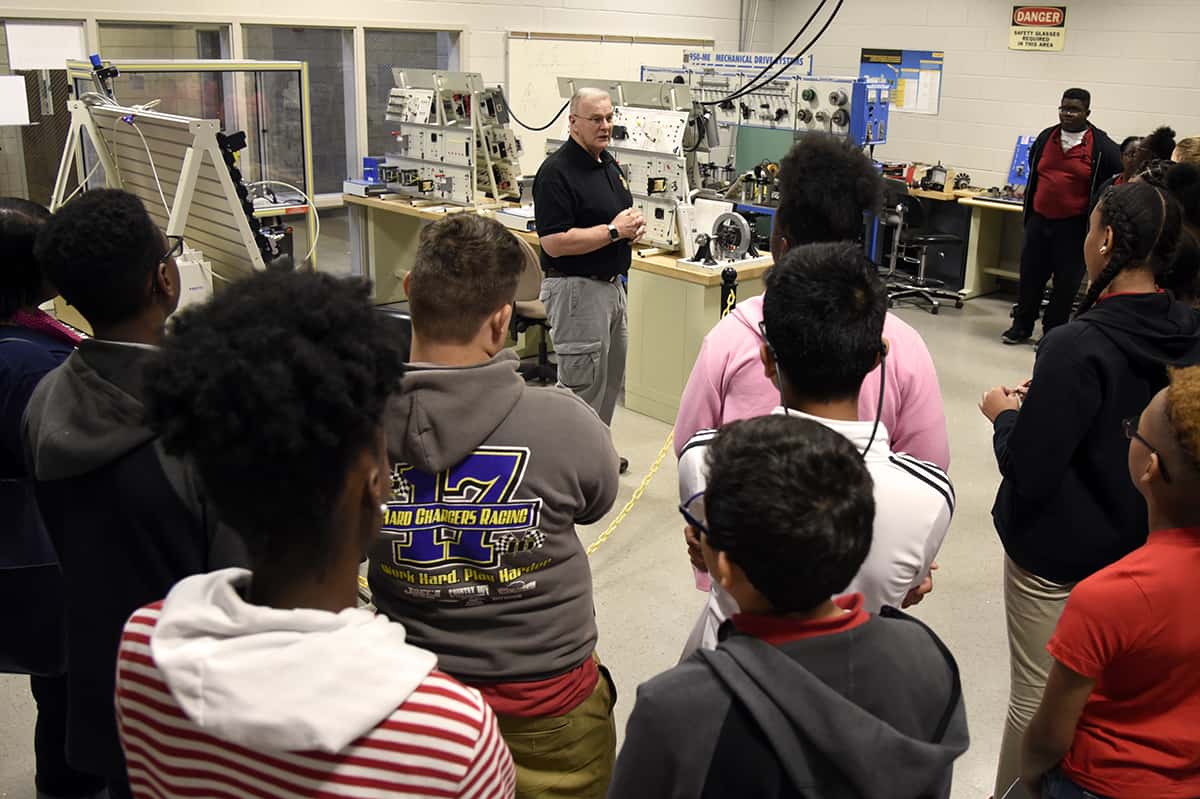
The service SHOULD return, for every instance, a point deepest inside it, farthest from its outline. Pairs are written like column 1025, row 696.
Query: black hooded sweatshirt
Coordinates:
column 1067, row 507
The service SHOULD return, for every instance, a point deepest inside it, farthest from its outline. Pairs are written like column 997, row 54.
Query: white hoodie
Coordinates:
column 332, row 676
column 211, row 680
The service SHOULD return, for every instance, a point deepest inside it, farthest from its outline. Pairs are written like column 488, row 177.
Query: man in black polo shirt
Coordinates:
column 586, row 224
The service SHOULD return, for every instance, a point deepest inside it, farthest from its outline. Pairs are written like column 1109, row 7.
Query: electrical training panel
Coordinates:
column 771, row 105
column 855, row 107
column 453, row 143
column 648, row 142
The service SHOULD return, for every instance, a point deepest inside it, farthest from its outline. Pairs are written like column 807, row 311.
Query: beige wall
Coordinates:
column 1141, row 62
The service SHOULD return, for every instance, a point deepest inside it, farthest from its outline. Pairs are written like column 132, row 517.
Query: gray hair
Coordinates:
column 587, row 93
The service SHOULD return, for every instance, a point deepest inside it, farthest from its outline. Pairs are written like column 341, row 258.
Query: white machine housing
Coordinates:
column 726, row 232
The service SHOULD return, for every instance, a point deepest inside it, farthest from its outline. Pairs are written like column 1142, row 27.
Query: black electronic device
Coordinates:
column 704, row 250
column 935, row 178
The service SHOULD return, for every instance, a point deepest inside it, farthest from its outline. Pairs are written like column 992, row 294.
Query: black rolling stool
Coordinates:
column 910, row 244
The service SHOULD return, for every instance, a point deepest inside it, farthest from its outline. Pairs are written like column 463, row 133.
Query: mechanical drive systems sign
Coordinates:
column 1038, row 28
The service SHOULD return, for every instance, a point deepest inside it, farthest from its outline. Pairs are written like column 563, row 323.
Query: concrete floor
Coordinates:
column 644, row 596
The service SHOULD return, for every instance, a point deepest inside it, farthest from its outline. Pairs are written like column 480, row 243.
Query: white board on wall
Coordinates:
column 537, row 61
column 14, row 106
column 44, row 45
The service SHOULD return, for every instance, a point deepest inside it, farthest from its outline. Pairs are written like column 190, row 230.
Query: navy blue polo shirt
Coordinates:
column 571, row 190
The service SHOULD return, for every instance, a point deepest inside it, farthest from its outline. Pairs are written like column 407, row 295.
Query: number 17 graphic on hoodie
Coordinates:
column 465, row 515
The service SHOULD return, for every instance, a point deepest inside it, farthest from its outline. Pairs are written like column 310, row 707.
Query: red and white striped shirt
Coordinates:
column 442, row 742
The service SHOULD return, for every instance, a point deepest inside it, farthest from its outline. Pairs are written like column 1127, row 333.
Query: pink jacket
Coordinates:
column 728, row 383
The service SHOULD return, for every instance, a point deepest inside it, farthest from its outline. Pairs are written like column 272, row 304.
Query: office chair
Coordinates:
column 911, row 244
column 398, row 323
column 530, row 312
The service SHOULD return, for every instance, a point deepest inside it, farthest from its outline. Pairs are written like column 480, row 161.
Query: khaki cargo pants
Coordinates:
column 588, row 324
column 569, row 756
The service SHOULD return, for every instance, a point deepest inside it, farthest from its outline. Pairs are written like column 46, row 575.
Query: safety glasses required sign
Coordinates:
column 1038, row 28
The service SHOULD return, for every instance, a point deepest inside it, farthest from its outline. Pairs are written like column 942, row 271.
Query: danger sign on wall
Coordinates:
column 1038, row 28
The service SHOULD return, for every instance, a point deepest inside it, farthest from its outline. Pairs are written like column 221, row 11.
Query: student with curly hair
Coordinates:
column 126, row 520
column 31, row 344
column 269, row 681
column 1064, row 509
column 825, row 187
column 1121, row 712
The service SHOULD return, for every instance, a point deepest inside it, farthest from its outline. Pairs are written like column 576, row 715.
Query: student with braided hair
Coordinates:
column 1182, row 181
column 1064, row 509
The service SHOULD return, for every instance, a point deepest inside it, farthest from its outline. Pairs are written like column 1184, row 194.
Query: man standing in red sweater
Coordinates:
column 1067, row 162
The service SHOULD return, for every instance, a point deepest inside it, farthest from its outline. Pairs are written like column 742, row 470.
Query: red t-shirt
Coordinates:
column 1132, row 628
column 1064, row 179
column 555, row 696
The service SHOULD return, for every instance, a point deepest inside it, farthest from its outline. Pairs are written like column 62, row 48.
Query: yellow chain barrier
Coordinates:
column 637, row 494
column 729, row 304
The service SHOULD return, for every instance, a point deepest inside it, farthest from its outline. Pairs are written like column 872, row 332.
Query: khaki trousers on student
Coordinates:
column 566, row 757
column 1032, row 606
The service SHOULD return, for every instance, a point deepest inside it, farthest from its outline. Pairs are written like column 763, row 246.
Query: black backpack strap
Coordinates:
column 888, row 612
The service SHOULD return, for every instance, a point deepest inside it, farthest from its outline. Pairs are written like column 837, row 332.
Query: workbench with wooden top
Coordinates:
column 672, row 306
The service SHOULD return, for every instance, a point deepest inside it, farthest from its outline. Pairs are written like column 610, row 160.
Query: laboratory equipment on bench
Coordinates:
column 935, row 178
column 199, row 177
column 188, row 181
column 720, row 236
column 452, row 143
column 857, row 108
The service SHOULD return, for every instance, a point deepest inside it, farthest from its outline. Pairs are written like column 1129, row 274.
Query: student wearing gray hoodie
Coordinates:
column 805, row 696
column 479, row 555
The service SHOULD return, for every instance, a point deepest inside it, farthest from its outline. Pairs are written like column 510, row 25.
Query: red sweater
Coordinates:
column 1064, row 178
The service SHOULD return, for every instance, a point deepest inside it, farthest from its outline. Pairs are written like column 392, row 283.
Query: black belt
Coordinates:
column 549, row 272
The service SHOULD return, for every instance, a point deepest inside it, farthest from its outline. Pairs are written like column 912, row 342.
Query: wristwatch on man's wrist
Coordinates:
column 613, row 233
